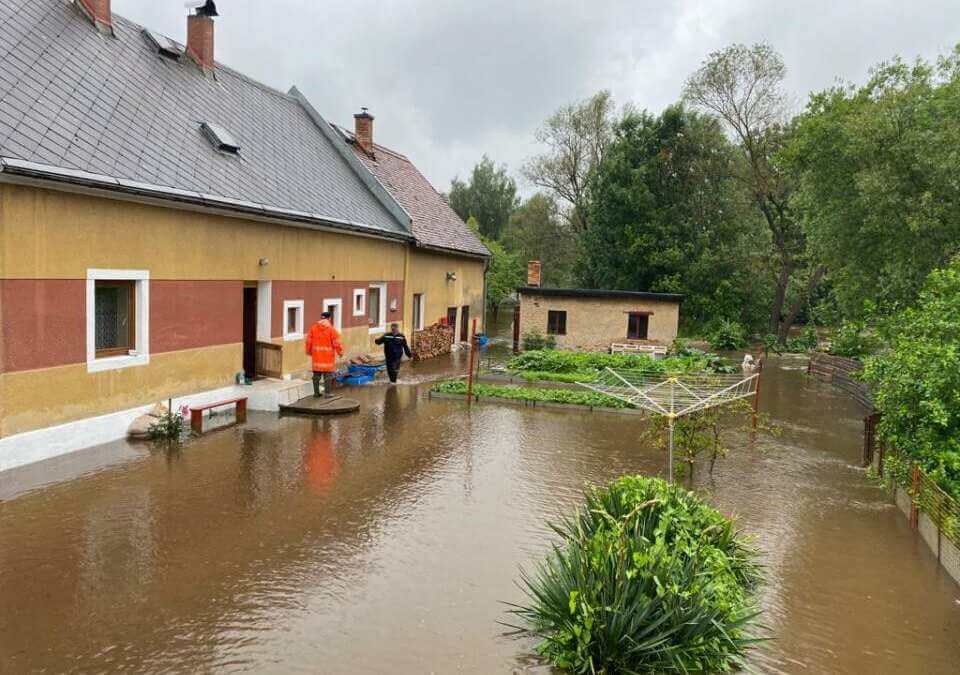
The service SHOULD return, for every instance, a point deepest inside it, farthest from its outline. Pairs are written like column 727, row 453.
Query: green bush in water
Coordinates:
column 727, row 336
column 168, row 427
column 646, row 578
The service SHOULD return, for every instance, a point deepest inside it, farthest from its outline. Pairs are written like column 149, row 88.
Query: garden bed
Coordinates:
column 532, row 397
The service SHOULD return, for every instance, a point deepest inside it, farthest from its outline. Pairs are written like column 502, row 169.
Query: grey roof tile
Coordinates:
column 76, row 99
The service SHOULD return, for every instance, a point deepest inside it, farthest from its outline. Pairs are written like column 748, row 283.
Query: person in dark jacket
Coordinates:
column 394, row 347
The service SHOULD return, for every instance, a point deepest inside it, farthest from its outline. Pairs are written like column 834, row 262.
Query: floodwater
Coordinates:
column 387, row 542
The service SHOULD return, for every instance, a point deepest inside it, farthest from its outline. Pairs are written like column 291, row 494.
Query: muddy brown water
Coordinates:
column 386, row 542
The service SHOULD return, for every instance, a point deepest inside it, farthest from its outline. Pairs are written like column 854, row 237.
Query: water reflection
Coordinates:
column 387, row 541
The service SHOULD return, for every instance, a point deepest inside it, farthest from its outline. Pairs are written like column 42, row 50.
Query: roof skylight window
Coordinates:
column 220, row 138
column 164, row 45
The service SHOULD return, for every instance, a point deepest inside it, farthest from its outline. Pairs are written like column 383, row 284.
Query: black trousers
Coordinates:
column 326, row 379
column 393, row 370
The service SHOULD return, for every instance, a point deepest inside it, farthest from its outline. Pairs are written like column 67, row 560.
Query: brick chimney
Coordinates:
column 363, row 130
column 200, row 36
column 98, row 11
column 533, row 273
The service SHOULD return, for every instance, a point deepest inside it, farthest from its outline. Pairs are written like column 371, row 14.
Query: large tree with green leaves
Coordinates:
column 878, row 189
column 743, row 87
column 505, row 271
column 667, row 215
column 538, row 231
column 575, row 138
column 489, row 195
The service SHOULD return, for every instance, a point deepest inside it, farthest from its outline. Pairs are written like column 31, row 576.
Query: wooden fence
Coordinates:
column 842, row 373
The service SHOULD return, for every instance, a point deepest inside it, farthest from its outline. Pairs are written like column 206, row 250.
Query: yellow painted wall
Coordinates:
column 45, row 230
column 593, row 324
column 428, row 275
column 34, row 399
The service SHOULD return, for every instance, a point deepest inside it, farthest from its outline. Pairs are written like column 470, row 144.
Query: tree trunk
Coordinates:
column 815, row 278
column 780, row 297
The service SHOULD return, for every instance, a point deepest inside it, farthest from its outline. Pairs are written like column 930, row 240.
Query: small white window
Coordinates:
column 335, row 307
column 293, row 319
column 377, row 308
column 359, row 302
column 118, row 319
column 419, row 310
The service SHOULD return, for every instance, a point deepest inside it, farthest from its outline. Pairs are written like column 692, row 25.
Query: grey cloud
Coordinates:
column 449, row 81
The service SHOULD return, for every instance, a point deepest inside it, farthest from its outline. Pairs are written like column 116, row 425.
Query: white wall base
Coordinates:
column 36, row 446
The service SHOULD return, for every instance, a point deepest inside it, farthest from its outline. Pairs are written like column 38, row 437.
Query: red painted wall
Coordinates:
column 42, row 323
column 191, row 314
column 313, row 293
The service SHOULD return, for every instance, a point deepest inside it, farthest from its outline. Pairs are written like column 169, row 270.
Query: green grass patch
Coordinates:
column 516, row 393
column 569, row 378
column 584, row 366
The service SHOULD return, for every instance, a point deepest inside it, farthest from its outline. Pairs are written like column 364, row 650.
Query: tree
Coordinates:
column 490, row 196
column 505, row 274
column 666, row 215
column 538, row 231
column 576, row 137
column 877, row 187
column 743, row 87
column 916, row 381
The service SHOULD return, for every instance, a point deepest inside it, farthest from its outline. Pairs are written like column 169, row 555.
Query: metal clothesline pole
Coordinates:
column 670, row 456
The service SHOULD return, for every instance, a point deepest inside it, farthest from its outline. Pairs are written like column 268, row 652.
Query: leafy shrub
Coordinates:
column 646, row 578
column 771, row 343
column 853, row 341
column 168, row 427
column 538, row 341
column 915, row 383
column 805, row 342
column 572, row 397
column 727, row 336
column 586, row 364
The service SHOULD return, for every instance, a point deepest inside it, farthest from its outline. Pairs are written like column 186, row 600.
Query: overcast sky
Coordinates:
column 449, row 80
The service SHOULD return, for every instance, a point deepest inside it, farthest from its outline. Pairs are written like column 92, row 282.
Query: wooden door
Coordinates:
column 452, row 319
column 250, row 332
column 465, row 323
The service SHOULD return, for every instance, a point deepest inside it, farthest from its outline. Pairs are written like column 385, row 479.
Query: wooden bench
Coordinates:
column 196, row 414
column 637, row 348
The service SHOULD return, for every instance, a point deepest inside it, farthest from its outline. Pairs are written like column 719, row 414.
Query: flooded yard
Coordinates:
column 389, row 540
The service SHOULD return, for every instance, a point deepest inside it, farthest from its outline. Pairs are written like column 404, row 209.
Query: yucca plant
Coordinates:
column 646, row 578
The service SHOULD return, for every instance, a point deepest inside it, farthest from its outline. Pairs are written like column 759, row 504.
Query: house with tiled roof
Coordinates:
column 168, row 224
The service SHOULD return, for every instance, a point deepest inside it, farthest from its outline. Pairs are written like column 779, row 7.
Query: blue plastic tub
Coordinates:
column 359, row 370
column 355, row 379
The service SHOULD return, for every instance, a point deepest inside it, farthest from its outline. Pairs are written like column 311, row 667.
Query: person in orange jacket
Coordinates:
column 323, row 346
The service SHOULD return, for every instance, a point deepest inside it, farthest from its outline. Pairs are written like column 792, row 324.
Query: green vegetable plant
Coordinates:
column 645, row 578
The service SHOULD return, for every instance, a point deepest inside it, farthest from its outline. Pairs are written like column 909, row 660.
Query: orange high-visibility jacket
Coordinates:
column 323, row 344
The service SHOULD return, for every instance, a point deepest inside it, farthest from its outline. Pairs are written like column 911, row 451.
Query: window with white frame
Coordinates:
column 377, row 307
column 335, row 307
column 293, row 319
column 359, row 302
column 419, row 310
column 118, row 319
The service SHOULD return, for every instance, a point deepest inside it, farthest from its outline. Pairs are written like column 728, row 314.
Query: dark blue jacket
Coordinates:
column 394, row 347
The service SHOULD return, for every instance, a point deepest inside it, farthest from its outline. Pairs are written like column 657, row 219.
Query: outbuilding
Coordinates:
column 597, row 320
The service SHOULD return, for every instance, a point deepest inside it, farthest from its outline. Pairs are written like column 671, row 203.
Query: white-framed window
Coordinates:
column 335, row 307
column 419, row 310
column 118, row 319
column 359, row 302
column 293, row 319
column 377, row 308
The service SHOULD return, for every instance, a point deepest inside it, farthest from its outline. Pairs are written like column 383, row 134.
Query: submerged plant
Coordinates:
column 646, row 578
column 168, row 427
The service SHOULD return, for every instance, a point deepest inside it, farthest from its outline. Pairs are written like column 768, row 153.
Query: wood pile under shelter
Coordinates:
column 432, row 341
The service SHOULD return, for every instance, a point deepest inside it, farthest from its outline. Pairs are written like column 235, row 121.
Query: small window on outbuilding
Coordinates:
column 556, row 322
column 638, row 325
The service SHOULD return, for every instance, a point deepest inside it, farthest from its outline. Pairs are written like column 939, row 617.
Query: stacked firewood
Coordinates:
column 432, row 341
